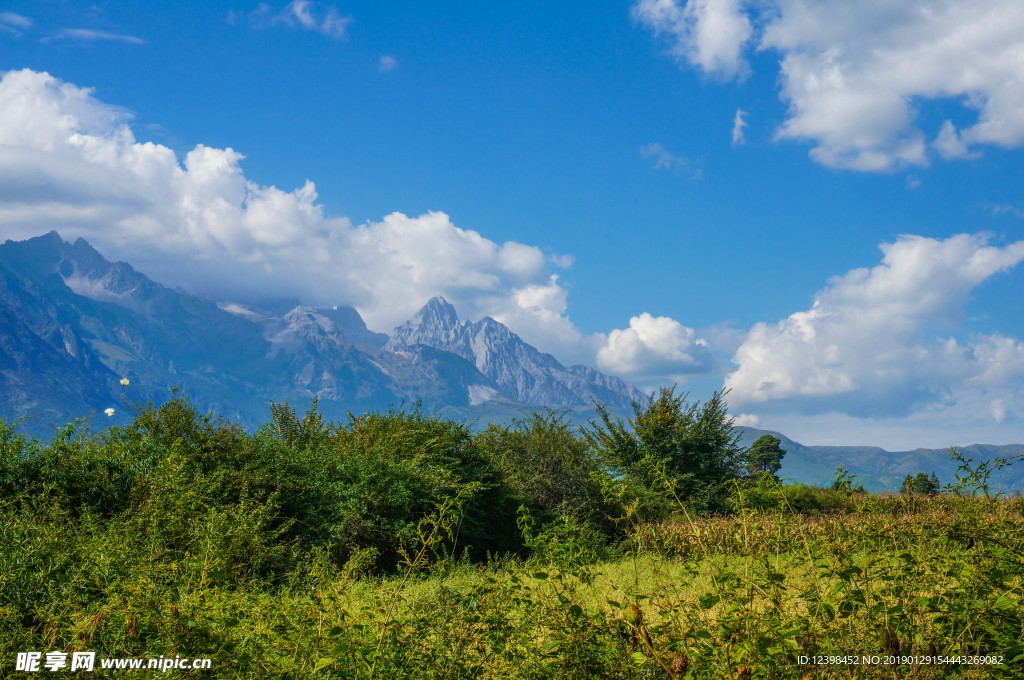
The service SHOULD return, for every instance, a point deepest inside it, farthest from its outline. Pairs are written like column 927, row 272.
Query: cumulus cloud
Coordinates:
column 302, row 14
column 998, row 407
column 386, row 63
column 747, row 420
column 949, row 144
column 709, row 34
column 855, row 73
column 872, row 343
column 653, row 348
column 70, row 162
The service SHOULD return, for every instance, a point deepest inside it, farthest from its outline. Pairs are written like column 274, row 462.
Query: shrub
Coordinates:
column 688, row 449
column 547, row 468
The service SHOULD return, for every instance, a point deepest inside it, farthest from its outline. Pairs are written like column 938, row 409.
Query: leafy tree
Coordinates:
column 687, row 448
column 764, row 457
column 921, row 484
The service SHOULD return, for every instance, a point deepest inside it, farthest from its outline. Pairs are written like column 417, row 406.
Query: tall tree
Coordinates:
column 687, row 448
column 921, row 483
column 764, row 457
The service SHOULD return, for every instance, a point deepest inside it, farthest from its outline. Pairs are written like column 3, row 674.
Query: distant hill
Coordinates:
column 880, row 470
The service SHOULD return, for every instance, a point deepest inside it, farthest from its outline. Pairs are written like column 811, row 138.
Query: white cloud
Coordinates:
column 303, row 14
column 746, row 420
column 653, row 349
column 854, row 74
column 998, row 407
column 871, row 345
column 386, row 63
column 562, row 261
column 666, row 160
column 71, row 163
column 14, row 24
column 737, row 127
column 707, row 33
column 91, row 35
column 950, row 145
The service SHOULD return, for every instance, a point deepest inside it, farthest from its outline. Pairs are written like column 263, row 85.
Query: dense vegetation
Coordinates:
column 403, row 545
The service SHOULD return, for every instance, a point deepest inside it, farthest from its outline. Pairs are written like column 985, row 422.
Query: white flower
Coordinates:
column 124, row 381
column 109, row 411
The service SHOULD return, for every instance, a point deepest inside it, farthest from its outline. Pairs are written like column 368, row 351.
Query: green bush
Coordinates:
column 549, row 469
column 769, row 494
column 688, row 450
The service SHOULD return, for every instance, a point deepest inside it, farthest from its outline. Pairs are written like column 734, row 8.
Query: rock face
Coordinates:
column 521, row 372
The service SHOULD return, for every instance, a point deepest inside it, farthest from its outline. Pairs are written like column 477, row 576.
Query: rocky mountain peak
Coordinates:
column 35, row 257
column 306, row 323
column 436, row 324
column 520, row 371
column 352, row 326
column 438, row 312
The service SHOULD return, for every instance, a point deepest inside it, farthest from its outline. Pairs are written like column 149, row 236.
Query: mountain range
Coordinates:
column 73, row 324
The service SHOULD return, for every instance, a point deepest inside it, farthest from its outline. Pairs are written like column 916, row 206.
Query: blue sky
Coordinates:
column 478, row 150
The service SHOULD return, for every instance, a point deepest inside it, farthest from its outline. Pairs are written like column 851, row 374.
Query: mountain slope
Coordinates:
column 44, row 364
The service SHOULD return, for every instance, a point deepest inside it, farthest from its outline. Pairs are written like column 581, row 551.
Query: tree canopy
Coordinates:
column 687, row 448
column 921, row 483
column 764, row 457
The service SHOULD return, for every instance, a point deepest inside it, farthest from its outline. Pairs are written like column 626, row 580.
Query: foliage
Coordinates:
column 366, row 483
column 764, row 457
column 770, row 494
column 921, row 483
column 548, row 469
column 845, row 482
column 366, row 550
column 688, row 448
